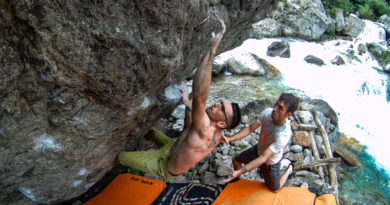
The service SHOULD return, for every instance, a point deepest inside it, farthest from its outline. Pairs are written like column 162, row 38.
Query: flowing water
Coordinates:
column 358, row 91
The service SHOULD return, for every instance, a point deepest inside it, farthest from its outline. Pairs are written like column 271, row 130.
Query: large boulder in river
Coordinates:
column 306, row 19
column 381, row 54
column 244, row 63
column 385, row 19
column 353, row 26
column 279, row 48
column 79, row 79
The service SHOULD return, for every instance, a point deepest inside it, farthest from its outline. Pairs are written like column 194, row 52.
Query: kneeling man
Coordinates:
column 274, row 135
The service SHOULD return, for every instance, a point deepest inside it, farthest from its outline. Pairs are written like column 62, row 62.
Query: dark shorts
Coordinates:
column 270, row 173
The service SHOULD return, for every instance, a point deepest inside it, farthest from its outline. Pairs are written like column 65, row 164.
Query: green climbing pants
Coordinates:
column 151, row 161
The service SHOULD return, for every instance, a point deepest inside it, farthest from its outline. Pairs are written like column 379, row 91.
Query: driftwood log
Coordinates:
column 317, row 163
column 346, row 156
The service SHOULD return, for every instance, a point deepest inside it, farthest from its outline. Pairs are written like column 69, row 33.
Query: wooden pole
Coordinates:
column 327, row 125
column 313, row 146
column 331, row 167
column 297, row 118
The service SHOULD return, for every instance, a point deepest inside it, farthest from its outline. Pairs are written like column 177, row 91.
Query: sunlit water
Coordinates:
column 358, row 91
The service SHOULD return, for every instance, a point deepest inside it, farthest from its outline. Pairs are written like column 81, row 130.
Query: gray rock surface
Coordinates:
column 314, row 60
column 338, row 60
column 339, row 19
column 79, row 79
column 279, row 48
column 353, row 26
column 385, row 19
column 244, row 63
column 306, row 19
column 381, row 54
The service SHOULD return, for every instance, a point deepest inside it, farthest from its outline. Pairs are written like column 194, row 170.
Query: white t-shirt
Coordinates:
column 273, row 136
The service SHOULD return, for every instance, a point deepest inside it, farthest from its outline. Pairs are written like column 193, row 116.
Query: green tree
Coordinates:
column 366, row 12
column 370, row 9
column 379, row 7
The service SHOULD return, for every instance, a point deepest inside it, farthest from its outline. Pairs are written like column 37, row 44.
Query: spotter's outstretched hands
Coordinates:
column 235, row 174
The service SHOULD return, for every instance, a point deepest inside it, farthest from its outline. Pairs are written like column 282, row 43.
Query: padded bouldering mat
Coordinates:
column 132, row 189
column 254, row 192
column 129, row 189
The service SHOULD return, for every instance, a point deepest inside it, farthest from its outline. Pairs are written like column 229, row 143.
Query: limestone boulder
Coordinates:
column 80, row 80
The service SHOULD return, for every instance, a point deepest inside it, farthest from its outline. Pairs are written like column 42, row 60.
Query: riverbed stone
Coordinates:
column 224, row 170
column 307, row 153
column 210, row 178
column 307, row 159
column 294, row 157
column 301, row 138
column 284, row 163
column 325, row 189
column 204, row 167
column 338, row 60
column 296, row 148
column 305, row 117
column 362, row 49
column 314, row 60
column 304, row 185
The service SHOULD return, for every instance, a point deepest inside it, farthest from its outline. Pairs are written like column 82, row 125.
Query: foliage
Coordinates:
column 370, row 9
column 385, row 57
column 366, row 12
column 332, row 33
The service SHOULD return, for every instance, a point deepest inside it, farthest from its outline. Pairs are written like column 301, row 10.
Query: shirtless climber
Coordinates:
column 202, row 127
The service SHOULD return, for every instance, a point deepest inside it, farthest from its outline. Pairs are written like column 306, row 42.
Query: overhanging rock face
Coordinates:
column 79, row 79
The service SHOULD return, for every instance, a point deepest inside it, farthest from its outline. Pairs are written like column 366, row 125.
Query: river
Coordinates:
column 358, row 91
